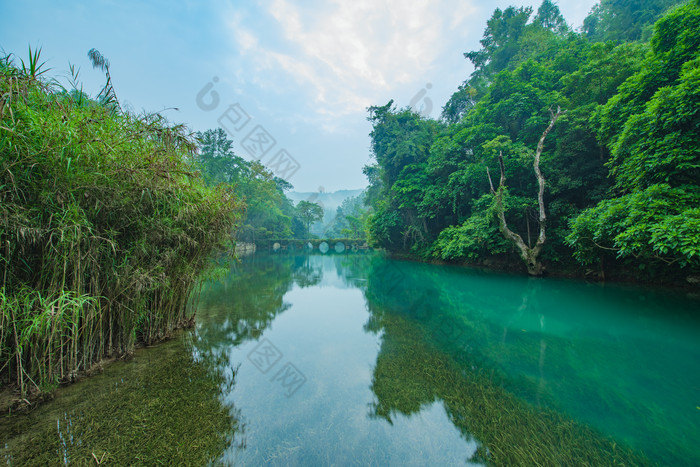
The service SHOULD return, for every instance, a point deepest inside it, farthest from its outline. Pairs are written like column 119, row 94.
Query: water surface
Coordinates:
column 354, row 359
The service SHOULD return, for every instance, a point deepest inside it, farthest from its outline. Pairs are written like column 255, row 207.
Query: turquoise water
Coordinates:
column 354, row 359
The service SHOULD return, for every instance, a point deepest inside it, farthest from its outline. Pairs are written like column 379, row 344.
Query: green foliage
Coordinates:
column 661, row 144
column 478, row 237
column 35, row 69
column 626, row 151
column 107, row 96
column 653, row 126
column 401, row 141
column 309, row 212
column 674, row 43
column 624, row 20
column 385, row 228
column 606, row 66
column 351, row 219
column 549, row 18
column 658, row 223
column 459, row 104
column 268, row 211
column 104, row 228
column 500, row 42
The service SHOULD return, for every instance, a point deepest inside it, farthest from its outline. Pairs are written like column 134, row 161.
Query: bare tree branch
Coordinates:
column 488, row 174
column 540, row 179
column 528, row 254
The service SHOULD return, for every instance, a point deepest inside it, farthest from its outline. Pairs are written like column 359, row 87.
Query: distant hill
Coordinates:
column 328, row 201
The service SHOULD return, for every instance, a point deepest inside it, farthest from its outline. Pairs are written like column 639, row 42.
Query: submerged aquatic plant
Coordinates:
column 163, row 407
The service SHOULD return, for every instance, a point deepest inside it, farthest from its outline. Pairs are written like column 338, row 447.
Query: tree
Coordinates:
column 549, row 17
column 658, row 225
column 268, row 211
column 624, row 20
column 653, row 126
column 500, row 41
column 350, row 218
column 626, row 151
column 527, row 253
column 401, row 141
column 605, row 67
column 459, row 104
column 309, row 212
column 217, row 161
column 355, row 225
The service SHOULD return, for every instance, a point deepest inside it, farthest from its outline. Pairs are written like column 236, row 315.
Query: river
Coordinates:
column 356, row 359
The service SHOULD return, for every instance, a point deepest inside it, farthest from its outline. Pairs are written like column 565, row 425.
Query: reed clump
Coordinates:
column 105, row 228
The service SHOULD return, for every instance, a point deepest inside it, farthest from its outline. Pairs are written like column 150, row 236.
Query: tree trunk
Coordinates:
column 528, row 254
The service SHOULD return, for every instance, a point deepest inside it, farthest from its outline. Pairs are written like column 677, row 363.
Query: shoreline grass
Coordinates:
column 105, row 228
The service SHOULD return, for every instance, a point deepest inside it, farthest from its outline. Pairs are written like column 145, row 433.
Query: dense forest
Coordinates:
column 269, row 214
column 565, row 151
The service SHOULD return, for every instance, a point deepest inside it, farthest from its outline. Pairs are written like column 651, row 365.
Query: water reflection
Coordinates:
column 429, row 354
column 509, row 364
column 545, row 359
column 306, row 274
column 403, row 363
column 229, row 313
column 320, row 312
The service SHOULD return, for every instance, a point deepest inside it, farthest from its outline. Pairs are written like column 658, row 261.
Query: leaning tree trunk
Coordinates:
column 530, row 255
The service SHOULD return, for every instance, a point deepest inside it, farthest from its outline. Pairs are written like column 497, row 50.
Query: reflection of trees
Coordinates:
column 309, row 266
column 242, row 304
column 238, row 308
column 352, row 268
column 429, row 356
column 306, row 274
column 465, row 319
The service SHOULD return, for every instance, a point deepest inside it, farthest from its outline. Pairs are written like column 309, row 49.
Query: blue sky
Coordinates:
column 301, row 71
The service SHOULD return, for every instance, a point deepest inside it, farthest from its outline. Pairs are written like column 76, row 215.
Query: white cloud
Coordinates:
column 346, row 55
column 350, row 52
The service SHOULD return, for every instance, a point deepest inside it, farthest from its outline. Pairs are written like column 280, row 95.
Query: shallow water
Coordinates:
column 355, row 359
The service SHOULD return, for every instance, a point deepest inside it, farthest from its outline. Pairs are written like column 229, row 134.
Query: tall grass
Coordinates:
column 104, row 229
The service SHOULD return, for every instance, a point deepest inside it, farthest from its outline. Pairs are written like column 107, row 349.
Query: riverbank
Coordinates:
column 12, row 402
column 158, row 406
column 689, row 282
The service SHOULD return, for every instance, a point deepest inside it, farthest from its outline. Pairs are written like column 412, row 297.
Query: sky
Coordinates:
column 290, row 81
